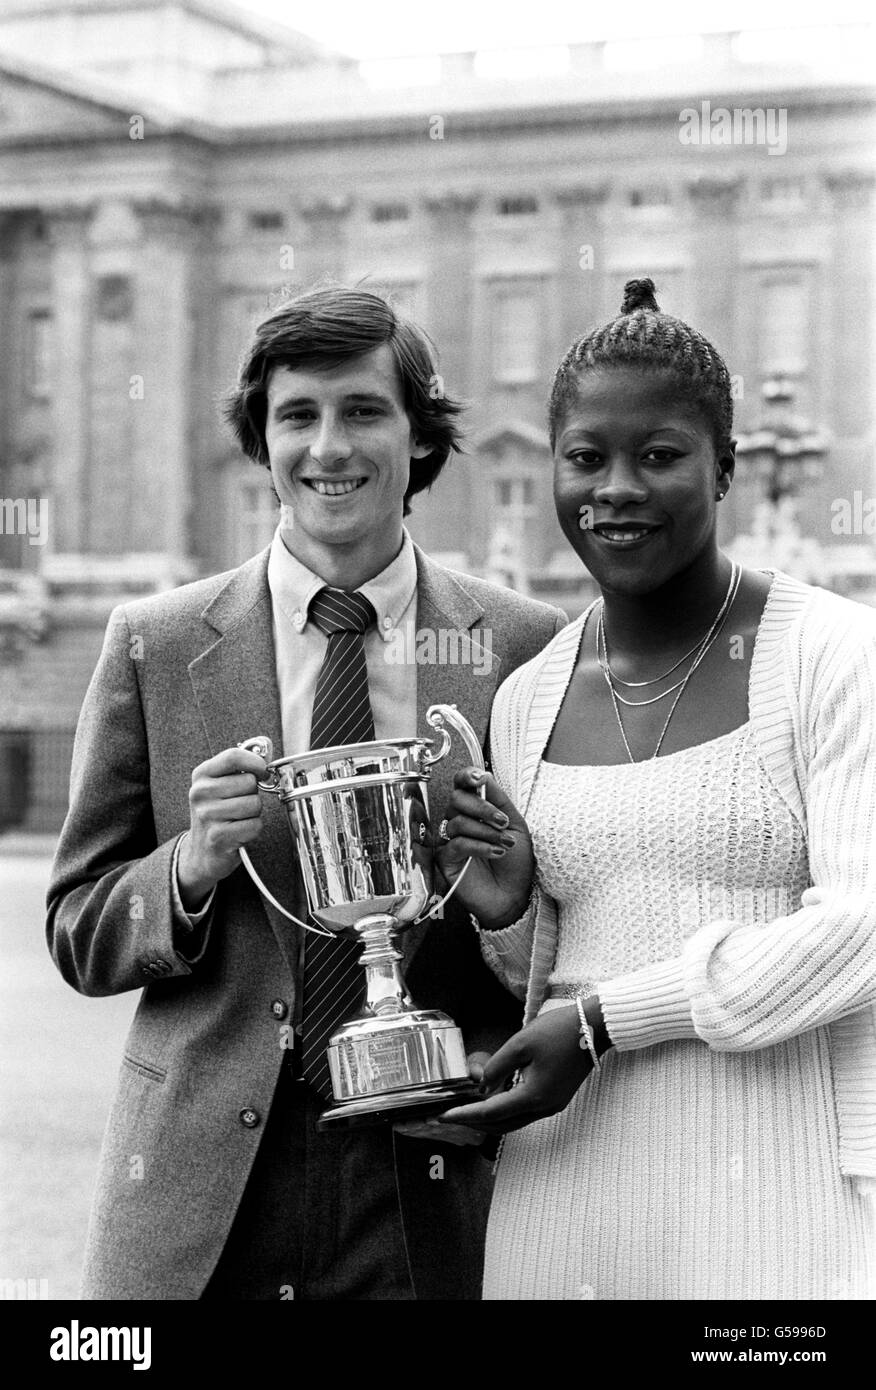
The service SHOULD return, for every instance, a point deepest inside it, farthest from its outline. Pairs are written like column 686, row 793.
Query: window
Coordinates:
column 255, row 516
column 390, row 212
column 783, row 193
column 522, row 206
column 784, row 326
column 38, row 360
column 514, row 497
column 267, row 221
column 515, row 335
column 649, row 196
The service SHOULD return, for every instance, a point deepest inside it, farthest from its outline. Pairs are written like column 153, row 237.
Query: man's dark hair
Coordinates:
column 325, row 327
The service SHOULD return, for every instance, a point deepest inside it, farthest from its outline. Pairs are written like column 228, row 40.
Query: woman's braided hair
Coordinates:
column 643, row 336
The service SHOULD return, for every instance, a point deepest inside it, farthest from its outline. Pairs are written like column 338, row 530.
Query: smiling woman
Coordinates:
column 695, row 760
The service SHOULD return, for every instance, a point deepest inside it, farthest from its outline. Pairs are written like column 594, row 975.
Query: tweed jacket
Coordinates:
column 183, row 675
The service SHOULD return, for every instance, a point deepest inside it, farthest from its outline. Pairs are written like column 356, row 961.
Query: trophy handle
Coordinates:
column 437, row 716
column 262, row 745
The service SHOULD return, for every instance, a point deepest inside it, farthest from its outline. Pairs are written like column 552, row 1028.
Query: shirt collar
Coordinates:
column 293, row 585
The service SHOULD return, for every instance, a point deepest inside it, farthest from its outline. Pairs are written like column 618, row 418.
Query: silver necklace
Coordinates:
column 711, row 636
column 611, row 678
column 655, row 680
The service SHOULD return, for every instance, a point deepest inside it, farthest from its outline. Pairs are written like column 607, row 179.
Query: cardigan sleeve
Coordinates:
column 739, row 986
column 508, row 951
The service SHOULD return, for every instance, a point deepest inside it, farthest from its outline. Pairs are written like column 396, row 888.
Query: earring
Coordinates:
column 719, row 496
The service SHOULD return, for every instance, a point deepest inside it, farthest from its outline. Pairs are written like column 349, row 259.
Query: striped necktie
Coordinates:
column 334, row 982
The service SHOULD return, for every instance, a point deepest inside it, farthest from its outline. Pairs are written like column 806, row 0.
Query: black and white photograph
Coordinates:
column 438, row 665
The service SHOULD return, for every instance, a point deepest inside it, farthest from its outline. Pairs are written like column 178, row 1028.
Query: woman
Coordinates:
column 695, row 759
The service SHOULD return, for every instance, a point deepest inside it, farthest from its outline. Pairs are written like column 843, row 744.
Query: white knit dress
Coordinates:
column 721, row 901
column 678, row 1172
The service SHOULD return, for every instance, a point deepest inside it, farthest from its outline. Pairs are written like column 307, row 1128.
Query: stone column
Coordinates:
column 581, row 259
column 846, row 352
column 8, row 239
column 209, row 438
column 448, row 516
column 713, row 256
column 161, row 380
column 450, row 288
column 71, row 308
column 848, row 355
column 325, row 245
column 12, row 547
column 113, row 485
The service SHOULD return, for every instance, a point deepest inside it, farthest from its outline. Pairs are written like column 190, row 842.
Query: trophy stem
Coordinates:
column 385, row 991
column 394, row 1059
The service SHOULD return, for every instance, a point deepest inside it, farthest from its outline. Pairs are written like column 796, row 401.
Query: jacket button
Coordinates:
column 279, row 1008
column 250, row 1118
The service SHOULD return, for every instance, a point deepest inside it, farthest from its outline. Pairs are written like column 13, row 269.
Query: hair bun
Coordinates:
column 639, row 294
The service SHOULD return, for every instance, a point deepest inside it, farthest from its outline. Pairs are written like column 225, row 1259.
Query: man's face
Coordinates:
column 340, row 446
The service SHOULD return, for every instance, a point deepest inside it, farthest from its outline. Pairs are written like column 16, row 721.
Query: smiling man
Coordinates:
column 213, row 1179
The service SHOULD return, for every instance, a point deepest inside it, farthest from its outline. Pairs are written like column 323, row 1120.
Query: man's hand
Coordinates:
column 497, row 883
column 552, row 1064
column 226, row 812
column 432, row 1128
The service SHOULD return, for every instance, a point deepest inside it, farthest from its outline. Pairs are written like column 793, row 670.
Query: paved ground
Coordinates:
column 59, row 1057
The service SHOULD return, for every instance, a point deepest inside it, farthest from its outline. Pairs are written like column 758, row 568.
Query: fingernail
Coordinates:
column 479, row 777
column 496, row 851
column 507, row 840
column 500, row 819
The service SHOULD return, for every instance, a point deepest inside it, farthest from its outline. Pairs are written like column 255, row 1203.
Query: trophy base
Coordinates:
column 391, row 1107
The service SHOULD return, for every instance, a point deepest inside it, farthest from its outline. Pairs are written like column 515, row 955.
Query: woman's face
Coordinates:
column 635, row 479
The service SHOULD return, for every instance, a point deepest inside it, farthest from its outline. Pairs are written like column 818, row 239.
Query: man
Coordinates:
column 213, row 1181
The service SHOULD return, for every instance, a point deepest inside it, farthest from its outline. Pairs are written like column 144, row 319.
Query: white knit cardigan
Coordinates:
column 739, row 986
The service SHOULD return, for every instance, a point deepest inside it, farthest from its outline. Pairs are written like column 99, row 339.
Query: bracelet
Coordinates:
column 586, row 1032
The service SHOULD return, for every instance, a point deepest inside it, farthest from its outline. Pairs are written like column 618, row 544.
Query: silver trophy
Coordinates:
column 360, row 820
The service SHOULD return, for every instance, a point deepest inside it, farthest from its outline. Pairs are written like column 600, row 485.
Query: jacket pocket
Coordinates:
column 144, row 1068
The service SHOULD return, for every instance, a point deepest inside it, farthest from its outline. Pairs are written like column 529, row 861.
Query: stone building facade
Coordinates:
column 168, row 170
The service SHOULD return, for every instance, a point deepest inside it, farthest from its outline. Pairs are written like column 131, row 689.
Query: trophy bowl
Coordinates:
column 359, row 818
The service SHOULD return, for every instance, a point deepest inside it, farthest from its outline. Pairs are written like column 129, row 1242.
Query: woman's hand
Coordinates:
column 497, row 884
column 552, row 1063
column 431, row 1128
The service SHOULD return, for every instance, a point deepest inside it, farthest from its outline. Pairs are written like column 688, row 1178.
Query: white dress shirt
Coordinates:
column 300, row 646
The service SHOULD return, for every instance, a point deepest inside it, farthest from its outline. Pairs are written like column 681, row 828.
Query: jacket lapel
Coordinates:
column 445, row 605
column 235, row 686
